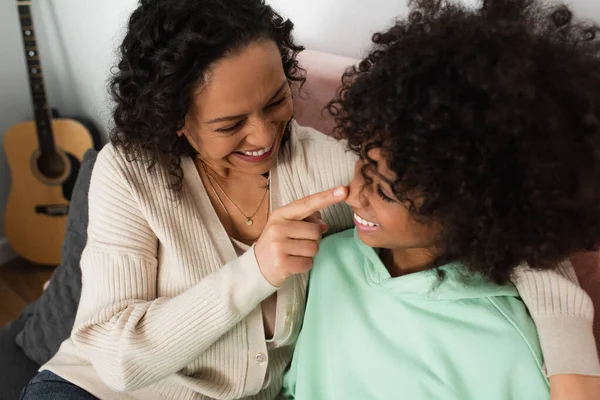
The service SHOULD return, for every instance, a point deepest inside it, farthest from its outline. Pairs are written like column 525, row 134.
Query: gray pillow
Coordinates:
column 54, row 313
column 15, row 368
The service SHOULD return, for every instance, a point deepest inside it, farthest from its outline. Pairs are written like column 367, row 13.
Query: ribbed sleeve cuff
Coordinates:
column 568, row 344
column 563, row 314
column 250, row 287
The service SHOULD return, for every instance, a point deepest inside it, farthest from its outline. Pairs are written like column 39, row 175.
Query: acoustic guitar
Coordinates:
column 44, row 157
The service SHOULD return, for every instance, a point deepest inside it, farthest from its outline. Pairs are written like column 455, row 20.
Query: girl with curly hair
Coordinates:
column 204, row 219
column 478, row 137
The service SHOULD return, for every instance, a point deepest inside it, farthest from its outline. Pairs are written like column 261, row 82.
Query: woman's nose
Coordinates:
column 261, row 133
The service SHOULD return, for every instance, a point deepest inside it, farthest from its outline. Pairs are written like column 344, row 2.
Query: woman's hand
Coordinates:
column 574, row 387
column 292, row 234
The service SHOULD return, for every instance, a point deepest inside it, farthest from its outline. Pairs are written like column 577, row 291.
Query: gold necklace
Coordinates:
column 228, row 215
column 249, row 220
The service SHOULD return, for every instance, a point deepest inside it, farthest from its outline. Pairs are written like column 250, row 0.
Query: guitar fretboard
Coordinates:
column 36, row 78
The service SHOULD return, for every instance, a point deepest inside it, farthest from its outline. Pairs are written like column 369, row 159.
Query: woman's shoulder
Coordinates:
column 308, row 136
column 116, row 156
column 309, row 144
column 118, row 171
column 114, row 160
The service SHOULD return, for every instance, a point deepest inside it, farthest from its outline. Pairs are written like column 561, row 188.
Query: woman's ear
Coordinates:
column 185, row 126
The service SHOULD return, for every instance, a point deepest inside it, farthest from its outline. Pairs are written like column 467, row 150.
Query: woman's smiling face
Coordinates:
column 239, row 115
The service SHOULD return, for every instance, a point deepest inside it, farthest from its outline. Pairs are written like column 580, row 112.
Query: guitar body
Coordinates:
column 36, row 213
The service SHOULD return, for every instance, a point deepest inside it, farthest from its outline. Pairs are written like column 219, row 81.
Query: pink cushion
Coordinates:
column 587, row 267
column 323, row 72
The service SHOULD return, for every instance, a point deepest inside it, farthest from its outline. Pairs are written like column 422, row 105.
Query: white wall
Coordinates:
column 77, row 40
column 342, row 27
column 83, row 36
column 14, row 100
column 345, row 27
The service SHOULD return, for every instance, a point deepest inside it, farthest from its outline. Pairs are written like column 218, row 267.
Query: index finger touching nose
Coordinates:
column 305, row 207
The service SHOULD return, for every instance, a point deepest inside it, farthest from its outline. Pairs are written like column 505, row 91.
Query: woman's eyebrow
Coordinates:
column 236, row 117
column 229, row 118
column 278, row 92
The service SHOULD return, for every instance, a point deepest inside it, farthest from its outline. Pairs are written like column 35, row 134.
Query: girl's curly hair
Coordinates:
column 492, row 116
column 168, row 48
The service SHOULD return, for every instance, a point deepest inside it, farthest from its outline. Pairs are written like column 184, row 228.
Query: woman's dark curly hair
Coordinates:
column 168, row 48
column 491, row 116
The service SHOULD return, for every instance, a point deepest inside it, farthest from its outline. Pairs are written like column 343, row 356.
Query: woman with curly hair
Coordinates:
column 204, row 218
column 478, row 137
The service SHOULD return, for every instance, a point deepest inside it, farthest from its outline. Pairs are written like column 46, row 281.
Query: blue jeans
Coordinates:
column 49, row 386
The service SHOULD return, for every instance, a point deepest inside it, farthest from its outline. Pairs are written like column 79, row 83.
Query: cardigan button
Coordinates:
column 260, row 358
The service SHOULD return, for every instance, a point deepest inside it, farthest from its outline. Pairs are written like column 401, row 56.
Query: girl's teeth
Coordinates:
column 256, row 153
column 364, row 221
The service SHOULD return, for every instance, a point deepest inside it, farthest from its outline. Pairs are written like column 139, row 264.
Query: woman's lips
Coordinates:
column 257, row 156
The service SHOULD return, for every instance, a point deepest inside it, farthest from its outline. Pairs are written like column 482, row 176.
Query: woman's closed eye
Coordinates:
column 272, row 106
column 231, row 128
column 277, row 103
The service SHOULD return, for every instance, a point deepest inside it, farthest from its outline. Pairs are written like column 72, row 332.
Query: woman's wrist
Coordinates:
column 574, row 387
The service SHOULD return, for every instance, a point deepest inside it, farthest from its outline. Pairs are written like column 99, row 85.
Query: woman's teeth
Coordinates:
column 256, row 153
column 364, row 222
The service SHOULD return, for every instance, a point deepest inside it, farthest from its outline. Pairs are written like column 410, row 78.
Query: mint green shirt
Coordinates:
column 369, row 336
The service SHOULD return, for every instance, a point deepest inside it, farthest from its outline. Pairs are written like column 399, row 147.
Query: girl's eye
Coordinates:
column 230, row 128
column 383, row 195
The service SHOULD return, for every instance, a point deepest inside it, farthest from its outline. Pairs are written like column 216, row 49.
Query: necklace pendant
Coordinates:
column 249, row 222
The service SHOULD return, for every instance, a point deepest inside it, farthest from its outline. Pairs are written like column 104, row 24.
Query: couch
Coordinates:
column 42, row 325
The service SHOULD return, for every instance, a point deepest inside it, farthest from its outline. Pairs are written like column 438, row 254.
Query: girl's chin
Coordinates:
column 369, row 238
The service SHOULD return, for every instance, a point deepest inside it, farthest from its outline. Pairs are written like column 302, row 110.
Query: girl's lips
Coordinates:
column 364, row 225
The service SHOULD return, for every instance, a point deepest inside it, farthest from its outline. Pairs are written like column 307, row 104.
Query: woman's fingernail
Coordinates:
column 339, row 191
column 324, row 227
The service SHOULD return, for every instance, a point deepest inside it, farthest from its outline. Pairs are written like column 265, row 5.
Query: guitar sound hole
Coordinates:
column 51, row 165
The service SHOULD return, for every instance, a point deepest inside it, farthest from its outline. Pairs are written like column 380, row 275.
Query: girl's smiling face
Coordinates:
column 383, row 221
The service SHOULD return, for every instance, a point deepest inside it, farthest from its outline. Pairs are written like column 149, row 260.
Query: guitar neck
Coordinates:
column 36, row 78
